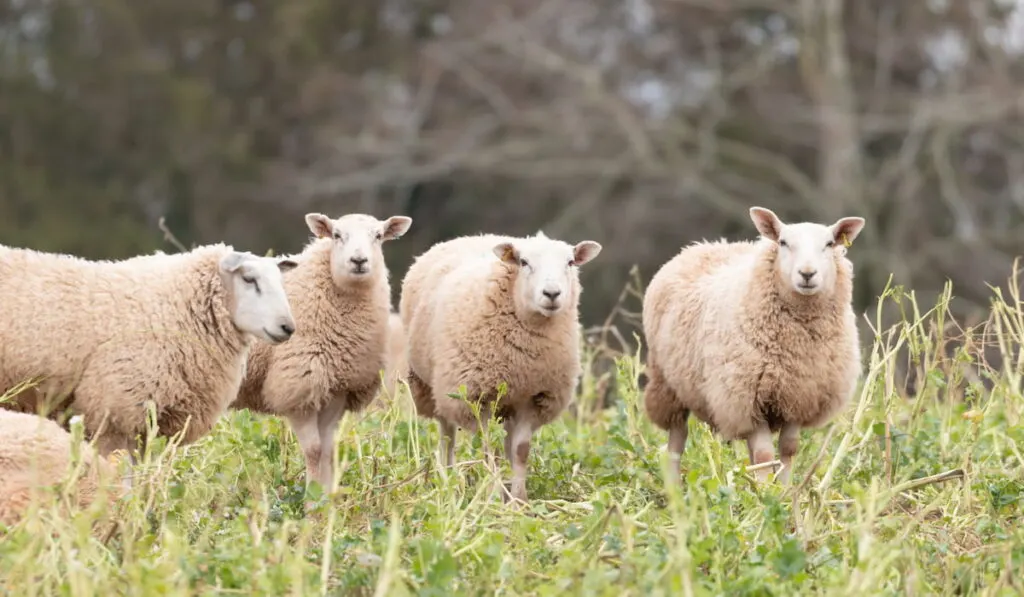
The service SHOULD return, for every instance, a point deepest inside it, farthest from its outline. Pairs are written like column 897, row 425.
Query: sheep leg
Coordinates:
column 522, row 431
column 677, row 444
column 307, row 432
column 448, row 441
column 759, row 443
column 327, row 426
column 789, row 442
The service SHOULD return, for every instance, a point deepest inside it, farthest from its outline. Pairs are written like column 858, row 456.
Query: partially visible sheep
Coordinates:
column 396, row 363
column 35, row 453
column 341, row 297
column 754, row 337
column 482, row 311
column 106, row 337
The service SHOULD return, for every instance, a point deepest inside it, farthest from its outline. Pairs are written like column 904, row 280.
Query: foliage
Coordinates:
column 865, row 515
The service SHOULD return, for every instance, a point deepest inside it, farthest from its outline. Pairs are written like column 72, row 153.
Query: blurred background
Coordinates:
column 642, row 124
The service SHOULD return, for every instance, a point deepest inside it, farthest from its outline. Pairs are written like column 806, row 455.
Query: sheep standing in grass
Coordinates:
column 341, row 297
column 754, row 337
column 106, row 337
column 35, row 453
column 486, row 311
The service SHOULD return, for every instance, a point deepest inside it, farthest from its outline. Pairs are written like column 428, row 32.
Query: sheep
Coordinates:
column 341, row 297
column 754, row 337
column 396, row 364
column 485, row 311
column 105, row 337
column 36, row 453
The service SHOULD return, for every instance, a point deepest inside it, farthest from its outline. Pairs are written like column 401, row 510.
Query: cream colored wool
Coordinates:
column 35, row 453
column 332, row 365
column 733, row 339
column 475, row 315
column 106, row 337
column 396, row 365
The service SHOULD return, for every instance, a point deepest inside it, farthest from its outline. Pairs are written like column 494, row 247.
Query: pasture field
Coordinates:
column 898, row 496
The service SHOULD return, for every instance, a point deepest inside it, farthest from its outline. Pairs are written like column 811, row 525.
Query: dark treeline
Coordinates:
column 642, row 124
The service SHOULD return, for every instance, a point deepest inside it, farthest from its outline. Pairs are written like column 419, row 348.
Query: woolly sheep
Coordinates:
column 486, row 310
column 106, row 337
column 341, row 297
column 754, row 337
column 396, row 365
column 36, row 453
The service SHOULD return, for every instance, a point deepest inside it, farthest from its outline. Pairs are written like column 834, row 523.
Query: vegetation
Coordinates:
column 898, row 496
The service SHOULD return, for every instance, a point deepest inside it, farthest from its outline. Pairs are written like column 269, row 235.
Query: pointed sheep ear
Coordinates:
column 286, row 265
column 507, row 252
column 585, row 251
column 847, row 229
column 230, row 263
column 395, row 227
column 320, row 225
column 767, row 223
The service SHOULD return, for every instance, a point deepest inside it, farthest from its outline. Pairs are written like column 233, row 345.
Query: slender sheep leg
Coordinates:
column 448, row 441
column 789, row 443
column 327, row 426
column 676, row 446
column 522, row 431
column 759, row 442
column 304, row 425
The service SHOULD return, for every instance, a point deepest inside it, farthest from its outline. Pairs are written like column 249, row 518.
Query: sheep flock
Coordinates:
column 753, row 338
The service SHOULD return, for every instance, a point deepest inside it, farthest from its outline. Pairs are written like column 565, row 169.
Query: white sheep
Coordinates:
column 35, row 453
column 396, row 363
column 754, row 337
column 490, row 311
column 103, row 337
column 341, row 298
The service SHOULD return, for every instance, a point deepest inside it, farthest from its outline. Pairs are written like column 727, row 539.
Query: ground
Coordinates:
column 226, row 516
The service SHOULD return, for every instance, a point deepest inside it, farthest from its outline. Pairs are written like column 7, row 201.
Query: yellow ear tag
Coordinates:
column 846, row 241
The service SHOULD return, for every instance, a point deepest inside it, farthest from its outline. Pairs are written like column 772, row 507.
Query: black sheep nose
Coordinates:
column 288, row 329
column 359, row 260
column 551, row 294
column 808, row 275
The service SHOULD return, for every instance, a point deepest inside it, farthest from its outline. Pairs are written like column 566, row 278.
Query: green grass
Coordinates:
column 226, row 516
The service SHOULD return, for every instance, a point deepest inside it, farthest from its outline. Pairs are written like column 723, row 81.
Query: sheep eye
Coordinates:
column 830, row 244
column 783, row 243
column 572, row 262
column 380, row 235
column 249, row 280
column 337, row 236
column 523, row 262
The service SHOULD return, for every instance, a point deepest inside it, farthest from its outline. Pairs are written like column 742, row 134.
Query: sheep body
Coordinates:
column 332, row 365
column 396, row 363
column 36, row 453
column 105, row 337
column 731, row 342
column 472, row 320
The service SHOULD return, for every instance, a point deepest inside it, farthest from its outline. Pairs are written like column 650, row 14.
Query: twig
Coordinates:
column 169, row 236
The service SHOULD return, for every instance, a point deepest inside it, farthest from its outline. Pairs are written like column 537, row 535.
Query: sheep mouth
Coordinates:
column 359, row 270
column 275, row 338
column 806, row 288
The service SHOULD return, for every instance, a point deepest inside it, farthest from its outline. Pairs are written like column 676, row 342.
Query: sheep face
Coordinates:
column 357, row 238
column 256, row 297
column 547, row 280
column 807, row 259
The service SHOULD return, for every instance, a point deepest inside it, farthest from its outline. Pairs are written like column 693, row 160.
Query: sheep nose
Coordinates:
column 808, row 274
column 359, row 260
column 552, row 294
column 288, row 329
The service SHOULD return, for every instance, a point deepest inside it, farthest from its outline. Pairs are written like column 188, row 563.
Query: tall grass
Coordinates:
column 916, row 496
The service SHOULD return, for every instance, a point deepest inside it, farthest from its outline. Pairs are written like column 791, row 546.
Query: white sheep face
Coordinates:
column 357, row 253
column 257, row 300
column 807, row 251
column 547, row 280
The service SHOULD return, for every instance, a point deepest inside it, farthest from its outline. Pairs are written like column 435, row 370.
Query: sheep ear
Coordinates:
column 230, row 263
column 320, row 225
column 286, row 265
column 767, row 223
column 395, row 227
column 585, row 251
column 847, row 229
column 507, row 252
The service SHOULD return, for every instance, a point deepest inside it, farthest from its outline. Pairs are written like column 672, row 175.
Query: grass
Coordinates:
column 900, row 496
